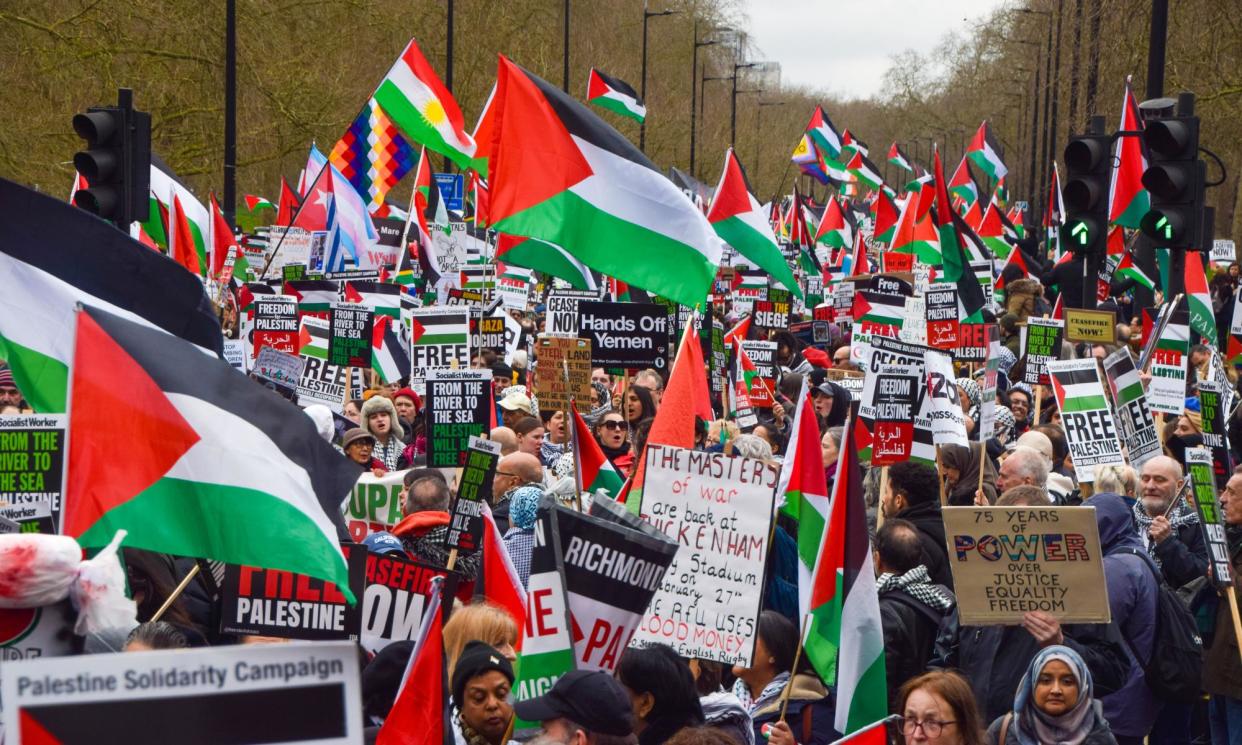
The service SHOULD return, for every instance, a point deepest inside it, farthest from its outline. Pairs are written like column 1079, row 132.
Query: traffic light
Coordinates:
column 116, row 162
column 1087, row 169
column 1175, row 176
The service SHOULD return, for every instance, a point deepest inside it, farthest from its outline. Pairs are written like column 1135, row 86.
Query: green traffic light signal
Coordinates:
column 1081, row 233
column 1165, row 227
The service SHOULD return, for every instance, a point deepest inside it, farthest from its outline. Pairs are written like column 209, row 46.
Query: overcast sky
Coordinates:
column 844, row 47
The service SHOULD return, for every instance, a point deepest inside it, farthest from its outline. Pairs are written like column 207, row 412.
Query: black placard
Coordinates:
column 625, row 335
column 349, row 335
column 457, row 402
column 465, row 531
column 271, row 602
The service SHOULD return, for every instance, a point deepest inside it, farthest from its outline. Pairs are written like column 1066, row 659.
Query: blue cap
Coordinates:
column 384, row 543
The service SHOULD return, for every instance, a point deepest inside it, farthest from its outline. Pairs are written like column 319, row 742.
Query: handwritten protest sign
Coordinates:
column 349, row 335
column 279, row 367
column 271, row 602
column 560, row 357
column 32, row 457
column 275, row 323
column 395, row 598
column 303, row 693
column 1203, row 490
column 1085, row 416
column 1008, row 561
column 457, row 402
column 374, row 505
column 1042, row 343
column 719, row 511
column 474, row 490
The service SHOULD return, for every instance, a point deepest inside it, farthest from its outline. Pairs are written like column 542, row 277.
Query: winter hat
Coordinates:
column 477, row 658
column 381, row 678
column 376, row 404
column 410, row 394
column 6, row 376
column 353, row 435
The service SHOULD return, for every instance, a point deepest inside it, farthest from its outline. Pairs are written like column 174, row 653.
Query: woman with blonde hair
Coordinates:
column 1120, row 480
column 479, row 621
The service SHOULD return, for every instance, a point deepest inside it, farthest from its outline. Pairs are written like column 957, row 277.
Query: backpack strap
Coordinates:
column 1004, row 730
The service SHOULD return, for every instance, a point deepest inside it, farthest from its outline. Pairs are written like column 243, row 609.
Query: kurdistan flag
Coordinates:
column 739, row 220
column 54, row 256
column 594, row 470
column 561, row 175
column 423, row 109
column 616, row 95
column 1128, row 200
column 157, row 471
column 1199, row 298
column 845, row 638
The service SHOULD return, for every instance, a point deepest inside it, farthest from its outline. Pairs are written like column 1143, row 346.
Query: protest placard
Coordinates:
column 1041, row 344
column 374, row 505
column 562, row 311
column 771, row 315
column 32, row 468
column 763, row 387
column 1133, row 417
column 513, row 287
column 991, row 371
column 271, row 602
column 972, row 341
column 886, row 351
column 457, row 409
column 349, row 335
column 235, row 354
column 31, row 633
column 842, row 304
column 850, row 380
column 610, row 574
column 474, row 489
column 488, row 332
column 282, row 368
column 1166, row 391
column 718, row 509
column 1008, row 561
column 625, row 335
column 890, row 396
column 287, row 693
column 564, row 372
column 1223, row 251
column 1199, row 463
column 472, row 299
column 1086, row 417
column 395, row 598
column 439, row 340
column 1091, row 326
column 940, row 307
column 275, row 323
column 947, row 420
column 876, row 314
column 1212, row 414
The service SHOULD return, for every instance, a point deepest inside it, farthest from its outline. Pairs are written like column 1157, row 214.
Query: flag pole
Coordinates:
column 190, row 575
column 944, row 500
column 1232, row 595
column 569, row 439
column 983, row 453
column 292, row 220
column 793, row 670
column 879, row 513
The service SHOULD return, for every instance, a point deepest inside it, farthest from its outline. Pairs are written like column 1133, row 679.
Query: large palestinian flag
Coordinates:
column 1128, row 200
column 209, row 465
column 1199, row 298
column 738, row 218
column 955, row 236
column 984, row 151
column 53, row 256
column 560, row 174
column 545, row 257
column 823, row 134
column 616, row 95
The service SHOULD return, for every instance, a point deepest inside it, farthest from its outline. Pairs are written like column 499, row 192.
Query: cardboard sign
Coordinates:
column 940, row 307
column 1212, row 406
column 396, row 596
column 279, row 367
column 1134, row 420
column 1008, row 561
column 269, row 693
column 374, row 505
column 1085, row 416
column 1091, row 326
column 457, row 409
column 890, row 396
column 349, row 335
column 564, row 372
column 1203, row 491
column 719, row 511
column 1041, row 343
column 1166, row 391
column 611, row 573
column 439, row 340
column 630, row 336
column 32, row 468
column 947, row 419
column 562, row 310
column 271, row 602
column 465, row 531
column 275, row 323
column 763, row 387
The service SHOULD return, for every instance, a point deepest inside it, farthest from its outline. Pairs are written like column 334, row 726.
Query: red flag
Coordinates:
column 289, row 204
column 222, row 240
column 501, row 585
column 417, row 714
column 181, row 240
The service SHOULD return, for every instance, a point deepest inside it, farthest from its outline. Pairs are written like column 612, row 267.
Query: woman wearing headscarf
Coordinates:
column 959, row 467
column 1054, row 704
column 601, row 403
column 972, row 400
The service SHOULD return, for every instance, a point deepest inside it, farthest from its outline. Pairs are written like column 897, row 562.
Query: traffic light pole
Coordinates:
column 1144, row 249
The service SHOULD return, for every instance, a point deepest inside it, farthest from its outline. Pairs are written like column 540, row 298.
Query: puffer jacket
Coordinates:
column 810, row 713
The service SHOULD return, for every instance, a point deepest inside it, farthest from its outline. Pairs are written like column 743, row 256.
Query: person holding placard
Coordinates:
column 1169, row 527
column 1222, row 667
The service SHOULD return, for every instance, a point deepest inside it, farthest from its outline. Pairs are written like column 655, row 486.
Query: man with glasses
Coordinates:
column 651, row 380
column 512, row 471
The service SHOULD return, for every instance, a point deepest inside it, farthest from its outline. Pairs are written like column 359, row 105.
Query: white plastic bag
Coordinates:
column 99, row 592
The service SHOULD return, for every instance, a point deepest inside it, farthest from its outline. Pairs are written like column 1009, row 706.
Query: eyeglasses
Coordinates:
column 931, row 727
column 506, row 473
column 612, row 424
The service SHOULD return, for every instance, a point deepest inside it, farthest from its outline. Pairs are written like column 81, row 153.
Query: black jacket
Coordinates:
column 1183, row 556
column 926, row 517
column 910, row 630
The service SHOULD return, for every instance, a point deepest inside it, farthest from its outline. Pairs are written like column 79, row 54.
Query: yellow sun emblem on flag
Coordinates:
column 434, row 113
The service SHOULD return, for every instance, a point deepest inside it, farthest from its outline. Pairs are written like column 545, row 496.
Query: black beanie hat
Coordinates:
column 477, row 658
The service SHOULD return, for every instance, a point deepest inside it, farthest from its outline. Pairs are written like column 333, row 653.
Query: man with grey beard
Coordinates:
column 1168, row 525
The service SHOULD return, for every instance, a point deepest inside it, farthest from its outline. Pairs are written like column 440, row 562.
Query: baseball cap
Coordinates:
column 383, row 543
column 590, row 698
column 516, row 401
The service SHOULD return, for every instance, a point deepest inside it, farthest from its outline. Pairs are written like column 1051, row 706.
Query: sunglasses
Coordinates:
column 612, row 424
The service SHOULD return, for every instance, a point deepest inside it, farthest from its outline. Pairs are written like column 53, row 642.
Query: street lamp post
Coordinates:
column 647, row 14
column 733, row 100
column 757, row 160
column 694, row 92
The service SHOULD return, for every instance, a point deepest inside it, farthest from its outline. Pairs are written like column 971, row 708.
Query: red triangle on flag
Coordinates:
column 416, row 330
column 34, row 733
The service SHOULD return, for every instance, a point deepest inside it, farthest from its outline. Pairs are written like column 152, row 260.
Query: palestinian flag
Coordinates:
column 851, row 144
column 845, row 638
column 1127, row 269
column 738, row 219
column 883, row 217
column 963, row 185
column 955, row 236
column 836, row 230
column 415, row 100
column 255, row 203
column 1199, row 298
column 985, row 152
column 594, row 470
column 440, row 325
column 499, row 582
column 389, row 359
column 545, row 257
column 916, row 235
column 53, row 256
column 803, row 490
column 616, row 95
column 746, row 370
column 182, row 246
column 223, row 246
column 560, row 174
column 872, row 734
column 864, row 170
column 1128, row 201
column 1078, row 390
column 314, row 295
column 740, row 332
column 420, row 710
column 823, row 134
column 997, row 232
column 290, row 203
column 382, row 297
column 898, row 158
column 972, row 215
column 879, row 309
column 158, row 471
column 313, row 338
column 164, row 186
